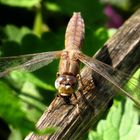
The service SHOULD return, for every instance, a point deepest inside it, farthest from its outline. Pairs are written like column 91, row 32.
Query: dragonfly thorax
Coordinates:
column 65, row 84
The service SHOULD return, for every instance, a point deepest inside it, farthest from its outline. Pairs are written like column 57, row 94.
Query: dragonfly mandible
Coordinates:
column 70, row 59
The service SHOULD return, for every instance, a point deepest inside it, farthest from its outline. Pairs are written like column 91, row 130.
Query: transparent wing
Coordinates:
column 29, row 62
column 114, row 76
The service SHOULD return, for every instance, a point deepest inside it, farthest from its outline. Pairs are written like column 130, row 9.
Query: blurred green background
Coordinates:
column 31, row 26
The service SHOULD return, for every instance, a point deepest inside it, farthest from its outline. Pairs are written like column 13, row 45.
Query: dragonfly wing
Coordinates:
column 113, row 75
column 29, row 62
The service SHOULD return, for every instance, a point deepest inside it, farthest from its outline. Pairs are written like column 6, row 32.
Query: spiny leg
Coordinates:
column 81, row 89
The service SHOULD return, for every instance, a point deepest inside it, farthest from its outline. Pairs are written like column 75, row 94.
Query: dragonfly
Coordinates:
column 69, row 66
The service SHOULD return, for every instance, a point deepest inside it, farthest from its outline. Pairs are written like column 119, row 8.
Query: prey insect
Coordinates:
column 69, row 66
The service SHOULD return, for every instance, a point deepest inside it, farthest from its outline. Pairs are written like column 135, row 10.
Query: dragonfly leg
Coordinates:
column 80, row 79
column 67, row 99
column 75, row 95
column 81, row 91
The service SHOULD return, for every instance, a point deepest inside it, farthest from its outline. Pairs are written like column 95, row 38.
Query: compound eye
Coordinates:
column 62, row 79
column 72, row 80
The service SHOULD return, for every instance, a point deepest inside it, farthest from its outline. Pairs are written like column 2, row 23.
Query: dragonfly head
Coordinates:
column 65, row 84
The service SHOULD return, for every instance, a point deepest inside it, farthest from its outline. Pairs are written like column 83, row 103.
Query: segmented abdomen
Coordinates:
column 75, row 32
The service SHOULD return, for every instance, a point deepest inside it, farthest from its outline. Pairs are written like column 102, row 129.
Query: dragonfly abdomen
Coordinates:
column 74, row 35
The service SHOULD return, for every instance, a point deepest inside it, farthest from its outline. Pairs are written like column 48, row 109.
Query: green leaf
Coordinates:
column 111, row 32
column 129, row 128
column 27, row 83
column 134, row 87
column 94, row 39
column 38, row 23
column 52, row 6
column 11, row 110
column 14, row 33
column 121, row 124
column 47, row 130
column 21, row 3
column 20, row 78
column 15, row 134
